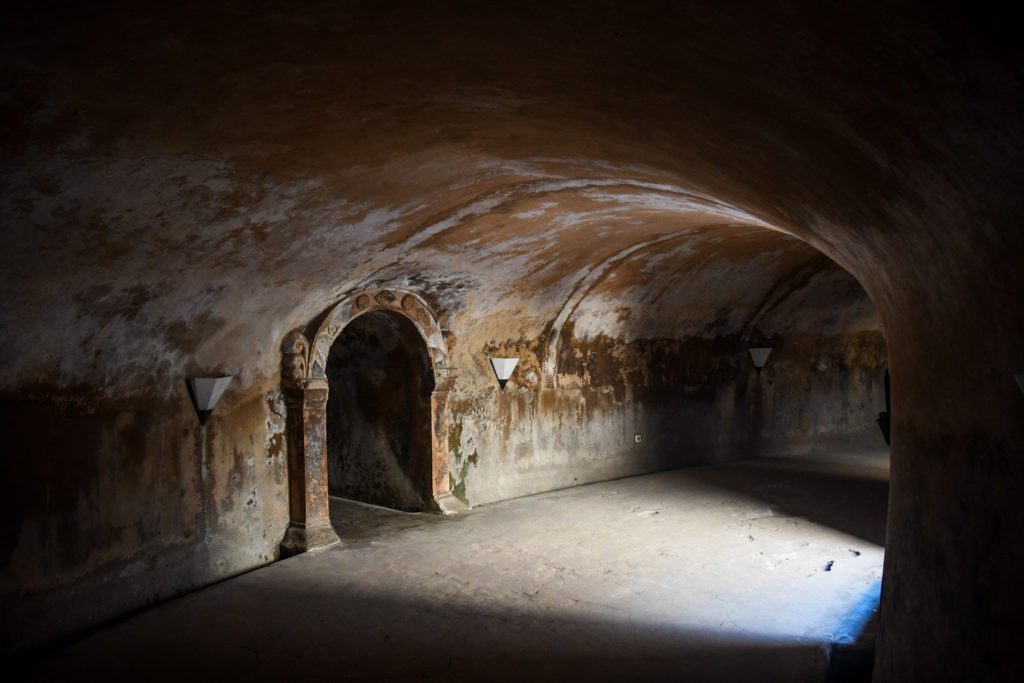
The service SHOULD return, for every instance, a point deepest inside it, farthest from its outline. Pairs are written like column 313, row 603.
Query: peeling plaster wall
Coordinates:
column 658, row 346
column 182, row 186
column 121, row 503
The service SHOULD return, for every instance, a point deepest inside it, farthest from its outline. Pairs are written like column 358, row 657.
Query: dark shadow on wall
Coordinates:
column 378, row 413
column 685, row 358
column 806, row 401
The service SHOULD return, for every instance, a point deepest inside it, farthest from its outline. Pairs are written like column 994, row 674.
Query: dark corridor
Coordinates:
column 378, row 413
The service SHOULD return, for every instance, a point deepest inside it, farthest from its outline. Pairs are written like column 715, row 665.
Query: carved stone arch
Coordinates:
column 304, row 381
column 402, row 302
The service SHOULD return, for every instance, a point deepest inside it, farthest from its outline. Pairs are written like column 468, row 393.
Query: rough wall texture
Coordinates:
column 182, row 186
column 117, row 503
column 378, row 413
column 658, row 347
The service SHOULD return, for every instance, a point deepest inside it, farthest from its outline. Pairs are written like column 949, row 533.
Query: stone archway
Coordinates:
column 304, row 382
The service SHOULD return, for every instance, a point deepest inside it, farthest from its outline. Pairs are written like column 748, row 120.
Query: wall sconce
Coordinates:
column 503, row 368
column 759, row 354
column 1020, row 381
column 205, row 392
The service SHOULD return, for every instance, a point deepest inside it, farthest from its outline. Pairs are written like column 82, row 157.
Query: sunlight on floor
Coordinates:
column 746, row 571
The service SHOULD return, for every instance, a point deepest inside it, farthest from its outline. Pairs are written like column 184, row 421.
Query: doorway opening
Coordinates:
column 380, row 382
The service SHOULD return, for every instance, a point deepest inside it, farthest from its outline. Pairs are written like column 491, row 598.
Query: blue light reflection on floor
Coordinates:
column 853, row 623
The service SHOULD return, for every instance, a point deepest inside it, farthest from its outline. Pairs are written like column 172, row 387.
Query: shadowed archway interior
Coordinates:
column 378, row 413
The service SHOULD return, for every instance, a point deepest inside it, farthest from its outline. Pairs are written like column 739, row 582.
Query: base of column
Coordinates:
column 301, row 539
column 449, row 504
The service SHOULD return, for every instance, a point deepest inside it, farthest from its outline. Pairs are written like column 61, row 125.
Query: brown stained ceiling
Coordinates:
column 184, row 185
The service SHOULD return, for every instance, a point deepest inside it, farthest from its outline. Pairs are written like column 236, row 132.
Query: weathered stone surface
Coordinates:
column 604, row 190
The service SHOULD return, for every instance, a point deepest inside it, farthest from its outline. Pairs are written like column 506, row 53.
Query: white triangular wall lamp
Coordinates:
column 503, row 368
column 205, row 392
column 759, row 354
column 1020, row 381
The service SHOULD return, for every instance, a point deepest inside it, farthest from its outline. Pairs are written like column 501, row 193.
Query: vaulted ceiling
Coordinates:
column 225, row 173
column 183, row 184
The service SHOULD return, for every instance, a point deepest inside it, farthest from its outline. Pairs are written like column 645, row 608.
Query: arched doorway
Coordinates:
column 306, row 388
column 378, row 413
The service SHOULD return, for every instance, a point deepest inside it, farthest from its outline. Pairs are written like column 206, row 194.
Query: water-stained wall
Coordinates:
column 182, row 186
column 658, row 347
column 655, row 344
column 378, row 413
column 120, row 502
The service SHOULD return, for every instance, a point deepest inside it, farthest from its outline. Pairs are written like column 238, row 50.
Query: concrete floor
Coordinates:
column 705, row 574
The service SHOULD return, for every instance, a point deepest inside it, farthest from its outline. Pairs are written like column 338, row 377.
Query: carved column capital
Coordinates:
column 295, row 356
column 306, row 389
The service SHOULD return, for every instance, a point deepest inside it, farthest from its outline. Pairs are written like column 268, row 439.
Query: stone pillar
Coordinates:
column 310, row 525
column 441, row 476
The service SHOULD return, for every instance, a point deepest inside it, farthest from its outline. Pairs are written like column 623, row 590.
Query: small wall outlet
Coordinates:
column 637, row 438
